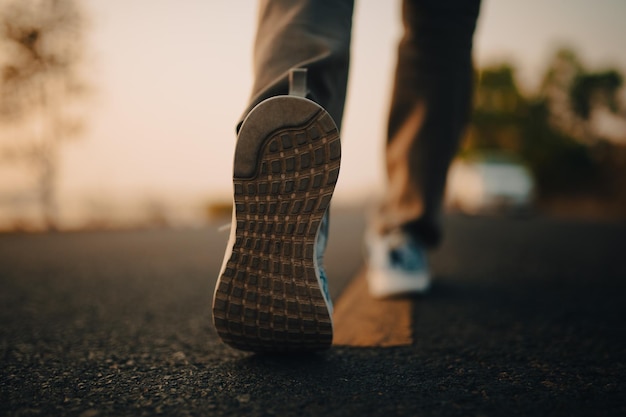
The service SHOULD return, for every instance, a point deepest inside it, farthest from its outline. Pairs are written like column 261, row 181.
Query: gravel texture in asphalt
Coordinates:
column 526, row 317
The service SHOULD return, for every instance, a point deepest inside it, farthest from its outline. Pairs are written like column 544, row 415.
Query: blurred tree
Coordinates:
column 560, row 164
column 562, row 69
column 499, row 111
column 573, row 94
column 553, row 130
column 591, row 91
column 589, row 158
column 41, row 48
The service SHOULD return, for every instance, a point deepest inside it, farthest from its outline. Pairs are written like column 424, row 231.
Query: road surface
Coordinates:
column 526, row 317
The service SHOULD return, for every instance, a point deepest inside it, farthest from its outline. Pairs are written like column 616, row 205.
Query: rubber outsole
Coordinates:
column 268, row 296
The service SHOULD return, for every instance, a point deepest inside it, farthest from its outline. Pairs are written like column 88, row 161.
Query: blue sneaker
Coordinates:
column 397, row 265
column 272, row 294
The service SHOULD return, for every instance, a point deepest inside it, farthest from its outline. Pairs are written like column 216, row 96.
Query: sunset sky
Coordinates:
column 171, row 77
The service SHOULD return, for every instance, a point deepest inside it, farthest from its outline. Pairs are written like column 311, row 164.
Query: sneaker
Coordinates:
column 397, row 265
column 271, row 294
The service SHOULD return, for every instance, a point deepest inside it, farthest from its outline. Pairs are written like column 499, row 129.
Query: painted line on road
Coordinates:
column 363, row 321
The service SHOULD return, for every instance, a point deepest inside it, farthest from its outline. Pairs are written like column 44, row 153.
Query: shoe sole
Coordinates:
column 268, row 297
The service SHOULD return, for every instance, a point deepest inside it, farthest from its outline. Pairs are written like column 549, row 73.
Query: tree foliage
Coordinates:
column 552, row 129
column 595, row 89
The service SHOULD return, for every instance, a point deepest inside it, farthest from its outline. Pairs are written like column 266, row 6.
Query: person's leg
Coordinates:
column 271, row 293
column 312, row 34
column 429, row 112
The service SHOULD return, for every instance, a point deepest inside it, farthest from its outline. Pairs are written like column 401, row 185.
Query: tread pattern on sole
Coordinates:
column 268, row 298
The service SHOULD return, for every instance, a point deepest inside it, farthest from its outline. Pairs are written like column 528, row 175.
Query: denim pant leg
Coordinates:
column 312, row 34
column 429, row 112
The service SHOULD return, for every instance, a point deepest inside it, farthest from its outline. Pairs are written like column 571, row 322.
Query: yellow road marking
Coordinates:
column 362, row 321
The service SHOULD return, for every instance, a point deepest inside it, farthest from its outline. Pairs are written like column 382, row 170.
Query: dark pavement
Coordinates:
column 526, row 318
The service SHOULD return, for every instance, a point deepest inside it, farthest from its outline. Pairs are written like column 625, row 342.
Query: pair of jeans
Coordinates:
column 431, row 98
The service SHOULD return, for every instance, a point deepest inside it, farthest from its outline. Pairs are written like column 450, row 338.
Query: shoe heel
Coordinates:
column 269, row 297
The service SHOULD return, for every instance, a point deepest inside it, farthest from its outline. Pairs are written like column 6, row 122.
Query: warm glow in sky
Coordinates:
column 171, row 78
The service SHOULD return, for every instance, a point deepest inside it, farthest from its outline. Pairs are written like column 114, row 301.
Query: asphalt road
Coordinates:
column 526, row 318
